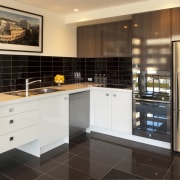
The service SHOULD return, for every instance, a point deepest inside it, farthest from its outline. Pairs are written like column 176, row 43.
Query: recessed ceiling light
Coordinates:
column 135, row 25
column 125, row 27
column 76, row 10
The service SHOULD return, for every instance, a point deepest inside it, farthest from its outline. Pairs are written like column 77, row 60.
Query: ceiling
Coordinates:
column 67, row 6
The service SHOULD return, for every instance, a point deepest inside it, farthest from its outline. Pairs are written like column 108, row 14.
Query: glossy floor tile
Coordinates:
column 93, row 156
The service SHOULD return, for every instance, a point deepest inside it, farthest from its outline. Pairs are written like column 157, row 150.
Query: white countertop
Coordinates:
column 6, row 99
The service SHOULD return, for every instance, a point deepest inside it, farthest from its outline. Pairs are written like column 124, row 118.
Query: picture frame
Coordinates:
column 20, row 30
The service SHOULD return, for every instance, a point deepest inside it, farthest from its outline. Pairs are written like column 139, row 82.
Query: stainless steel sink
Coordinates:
column 34, row 92
column 43, row 90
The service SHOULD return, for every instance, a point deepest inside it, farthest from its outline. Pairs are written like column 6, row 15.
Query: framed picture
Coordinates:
column 20, row 30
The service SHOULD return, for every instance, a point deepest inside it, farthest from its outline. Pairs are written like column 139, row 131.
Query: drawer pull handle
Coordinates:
column 11, row 109
column 11, row 138
column 11, row 121
column 114, row 95
column 107, row 94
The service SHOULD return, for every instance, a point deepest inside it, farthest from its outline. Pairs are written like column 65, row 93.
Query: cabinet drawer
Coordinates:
column 18, row 121
column 18, row 108
column 18, row 138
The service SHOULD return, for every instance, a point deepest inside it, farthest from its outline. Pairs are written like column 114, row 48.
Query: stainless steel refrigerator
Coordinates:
column 176, row 96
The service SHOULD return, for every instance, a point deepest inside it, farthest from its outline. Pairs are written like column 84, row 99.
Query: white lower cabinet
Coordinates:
column 101, row 108
column 54, row 121
column 19, row 124
column 18, row 138
column 112, row 110
column 121, row 111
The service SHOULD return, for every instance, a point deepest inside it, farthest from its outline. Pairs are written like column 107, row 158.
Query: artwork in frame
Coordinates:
column 20, row 30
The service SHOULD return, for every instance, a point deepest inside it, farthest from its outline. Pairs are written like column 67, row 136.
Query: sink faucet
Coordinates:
column 28, row 83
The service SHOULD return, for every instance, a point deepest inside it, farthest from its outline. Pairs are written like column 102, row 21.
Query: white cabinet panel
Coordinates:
column 112, row 110
column 18, row 108
column 18, row 138
column 18, row 124
column 18, row 121
column 102, row 108
column 121, row 111
column 54, row 121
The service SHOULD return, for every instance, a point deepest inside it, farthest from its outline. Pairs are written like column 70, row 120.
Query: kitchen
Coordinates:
column 60, row 49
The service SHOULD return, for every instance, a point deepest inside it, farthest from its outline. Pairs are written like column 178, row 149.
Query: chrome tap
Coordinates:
column 28, row 83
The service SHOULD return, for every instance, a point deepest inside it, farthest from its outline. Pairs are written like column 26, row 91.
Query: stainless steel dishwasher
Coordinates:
column 79, row 115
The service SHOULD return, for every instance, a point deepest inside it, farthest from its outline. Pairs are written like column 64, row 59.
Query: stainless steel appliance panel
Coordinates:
column 79, row 117
column 176, row 96
column 176, row 75
column 176, row 131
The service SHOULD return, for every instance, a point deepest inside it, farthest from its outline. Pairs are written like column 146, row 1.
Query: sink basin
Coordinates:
column 33, row 92
column 44, row 90
column 21, row 93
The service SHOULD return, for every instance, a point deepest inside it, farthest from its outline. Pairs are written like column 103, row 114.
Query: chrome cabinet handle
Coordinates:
column 11, row 109
column 107, row 94
column 11, row 121
column 11, row 138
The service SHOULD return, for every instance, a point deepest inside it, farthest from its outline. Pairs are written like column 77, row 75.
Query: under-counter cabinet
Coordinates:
column 54, row 121
column 102, row 108
column 19, row 124
column 112, row 110
column 121, row 111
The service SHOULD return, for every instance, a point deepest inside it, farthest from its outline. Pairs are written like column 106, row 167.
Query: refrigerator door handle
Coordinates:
column 177, row 93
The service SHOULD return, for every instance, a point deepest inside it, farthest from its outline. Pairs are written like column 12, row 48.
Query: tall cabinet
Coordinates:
column 175, row 23
column 151, row 40
column 152, row 62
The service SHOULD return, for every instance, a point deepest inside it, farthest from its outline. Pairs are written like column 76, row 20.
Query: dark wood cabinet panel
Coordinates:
column 175, row 23
column 86, row 41
column 105, row 40
column 123, row 38
column 151, row 40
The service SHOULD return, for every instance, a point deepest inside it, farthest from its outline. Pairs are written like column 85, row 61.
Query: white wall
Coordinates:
column 59, row 38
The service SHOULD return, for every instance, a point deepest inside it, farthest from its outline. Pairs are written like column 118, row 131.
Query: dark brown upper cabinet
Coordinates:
column 151, row 40
column 105, row 40
column 123, row 38
column 86, row 41
column 175, row 23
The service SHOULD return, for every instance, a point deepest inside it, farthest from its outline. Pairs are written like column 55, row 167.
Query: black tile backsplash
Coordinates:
column 14, row 69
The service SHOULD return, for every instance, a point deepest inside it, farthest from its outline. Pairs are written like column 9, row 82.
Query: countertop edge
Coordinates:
column 67, row 89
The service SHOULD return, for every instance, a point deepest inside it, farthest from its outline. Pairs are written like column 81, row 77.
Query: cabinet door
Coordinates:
column 86, row 41
column 105, row 40
column 175, row 23
column 122, row 112
column 123, row 38
column 151, row 44
column 102, row 108
column 54, row 119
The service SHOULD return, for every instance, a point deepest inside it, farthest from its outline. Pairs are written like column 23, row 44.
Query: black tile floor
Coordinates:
column 92, row 157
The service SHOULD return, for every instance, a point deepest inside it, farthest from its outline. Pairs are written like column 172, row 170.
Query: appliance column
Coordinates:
column 176, row 97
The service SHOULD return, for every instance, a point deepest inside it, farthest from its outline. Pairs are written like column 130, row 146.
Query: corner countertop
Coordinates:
column 6, row 99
